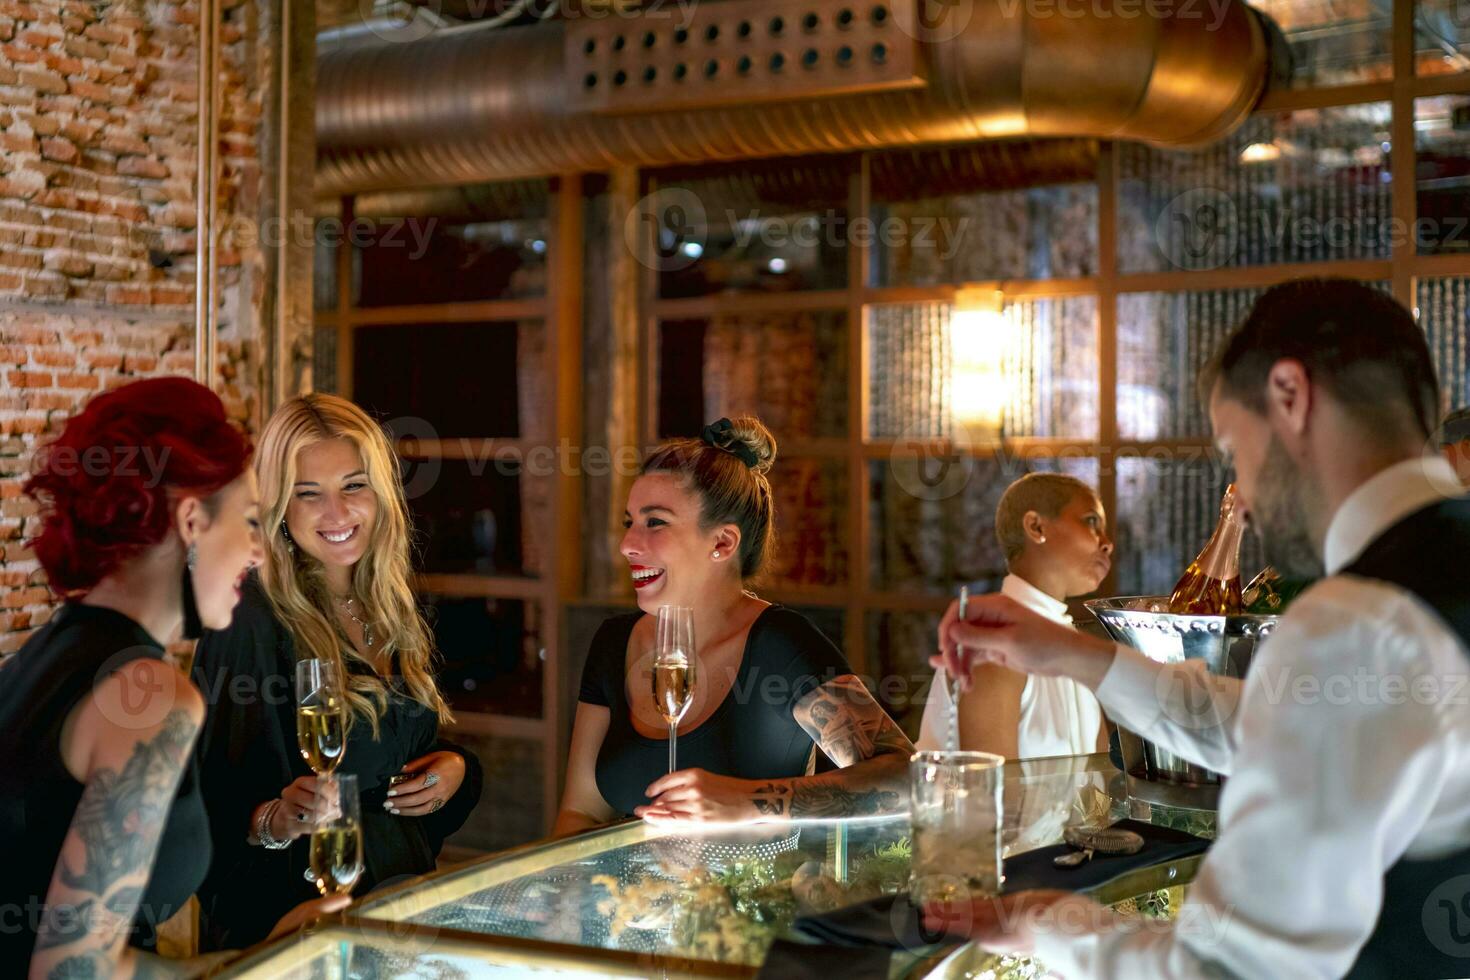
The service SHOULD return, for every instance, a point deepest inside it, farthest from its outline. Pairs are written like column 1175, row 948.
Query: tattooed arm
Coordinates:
column 849, row 726
column 129, row 762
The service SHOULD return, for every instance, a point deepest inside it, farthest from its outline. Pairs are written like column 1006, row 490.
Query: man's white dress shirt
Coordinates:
column 1346, row 749
column 1058, row 715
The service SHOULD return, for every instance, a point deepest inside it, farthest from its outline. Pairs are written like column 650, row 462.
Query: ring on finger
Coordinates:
column 435, row 805
column 430, row 779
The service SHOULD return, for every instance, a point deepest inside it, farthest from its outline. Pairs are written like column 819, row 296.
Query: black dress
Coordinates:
column 39, row 687
column 248, row 754
column 752, row 734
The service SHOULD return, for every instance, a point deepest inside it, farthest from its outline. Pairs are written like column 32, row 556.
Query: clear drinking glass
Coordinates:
column 321, row 715
column 674, row 668
column 956, row 821
column 336, row 835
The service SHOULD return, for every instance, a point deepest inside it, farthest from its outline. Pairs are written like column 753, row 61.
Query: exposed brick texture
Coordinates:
column 98, row 147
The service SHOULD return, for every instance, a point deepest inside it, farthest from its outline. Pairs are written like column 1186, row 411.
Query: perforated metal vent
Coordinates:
column 740, row 51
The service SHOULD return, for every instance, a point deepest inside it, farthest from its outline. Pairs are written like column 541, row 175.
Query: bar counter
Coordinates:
column 634, row 900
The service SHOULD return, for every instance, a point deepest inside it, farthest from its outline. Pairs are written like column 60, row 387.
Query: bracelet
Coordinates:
column 263, row 828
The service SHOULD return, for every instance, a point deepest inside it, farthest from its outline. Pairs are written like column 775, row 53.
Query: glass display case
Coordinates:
column 636, row 900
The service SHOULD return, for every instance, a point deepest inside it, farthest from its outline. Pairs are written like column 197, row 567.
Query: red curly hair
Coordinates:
column 105, row 484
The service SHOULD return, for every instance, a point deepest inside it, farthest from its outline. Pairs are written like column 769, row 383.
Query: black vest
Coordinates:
column 1423, row 928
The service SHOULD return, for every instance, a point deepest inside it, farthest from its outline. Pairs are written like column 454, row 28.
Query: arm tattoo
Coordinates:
column 844, row 720
column 771, row 799
column 813, row 799
column 118, row 821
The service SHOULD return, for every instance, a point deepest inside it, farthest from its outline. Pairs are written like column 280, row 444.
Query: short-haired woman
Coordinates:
column 334, row 586
column 771, row 687
column 1054, row 534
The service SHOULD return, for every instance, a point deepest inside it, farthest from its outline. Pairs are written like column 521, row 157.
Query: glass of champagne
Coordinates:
column 321, row 715
column 336, row 835
column 674, row 670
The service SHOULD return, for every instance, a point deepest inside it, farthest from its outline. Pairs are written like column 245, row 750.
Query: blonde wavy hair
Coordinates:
column 295, row 583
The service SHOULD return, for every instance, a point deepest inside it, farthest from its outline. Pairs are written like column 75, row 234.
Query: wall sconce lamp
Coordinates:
column 980, row 340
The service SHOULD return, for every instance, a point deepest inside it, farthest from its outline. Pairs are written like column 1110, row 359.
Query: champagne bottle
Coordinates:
column 1268, row 594
column 1210, row 586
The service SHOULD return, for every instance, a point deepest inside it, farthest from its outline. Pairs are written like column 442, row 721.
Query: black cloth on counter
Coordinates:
column 39, row 687
column 893, row 922
column 752, row 734
column 248, row 755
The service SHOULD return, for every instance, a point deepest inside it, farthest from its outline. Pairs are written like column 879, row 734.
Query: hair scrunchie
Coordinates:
column 718, row 434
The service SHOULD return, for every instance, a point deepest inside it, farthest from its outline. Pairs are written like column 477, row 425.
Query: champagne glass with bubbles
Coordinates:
column 674, row 670
column 336, row 836
column 321, row 715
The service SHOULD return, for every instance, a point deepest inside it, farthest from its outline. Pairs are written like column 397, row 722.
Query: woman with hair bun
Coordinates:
column 149, row 524
column 771, row 688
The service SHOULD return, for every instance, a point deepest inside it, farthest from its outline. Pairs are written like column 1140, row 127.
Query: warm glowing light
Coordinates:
column 1260, row 153
column 980, row 340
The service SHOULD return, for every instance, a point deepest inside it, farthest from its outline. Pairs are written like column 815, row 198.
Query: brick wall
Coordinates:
column 97, row 213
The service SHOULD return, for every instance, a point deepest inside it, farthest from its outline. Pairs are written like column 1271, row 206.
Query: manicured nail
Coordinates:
column 393, row 792
column 393, row 811
column 387, row 805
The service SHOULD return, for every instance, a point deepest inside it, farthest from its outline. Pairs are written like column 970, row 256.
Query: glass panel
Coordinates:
column 1048, row 361
column 1032, row 233
column 753, row 231
column 1444, row 313
column 513, row 812
column 448, row 380
column 1168, row 504
column 1442, row 173
column 811, row 523
column 900, row 645
column 1164, row 340
column 1335, row 42
column 324, row 266
column 457, row 244
column 492, row 653
column 324, row 359
column 1304, row 186
column 1442, row 38
column 790, row 369
column 934, row 520
column 469, row 516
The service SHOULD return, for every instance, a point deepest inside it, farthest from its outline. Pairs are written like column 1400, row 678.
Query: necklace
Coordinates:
column 367, row 630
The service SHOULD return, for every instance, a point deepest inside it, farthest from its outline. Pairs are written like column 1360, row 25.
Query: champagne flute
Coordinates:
column 336, row 835
column 321, row 715
column 674, row 670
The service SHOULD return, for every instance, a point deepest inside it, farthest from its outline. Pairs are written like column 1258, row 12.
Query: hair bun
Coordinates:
column 750, row 432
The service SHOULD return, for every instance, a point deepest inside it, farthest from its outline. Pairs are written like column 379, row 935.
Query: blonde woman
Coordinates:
column 334, row 586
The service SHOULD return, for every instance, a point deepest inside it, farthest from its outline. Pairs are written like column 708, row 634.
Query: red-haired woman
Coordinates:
column 149, row 525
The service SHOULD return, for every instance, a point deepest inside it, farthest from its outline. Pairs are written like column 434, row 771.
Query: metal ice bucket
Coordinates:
column 1225, row 644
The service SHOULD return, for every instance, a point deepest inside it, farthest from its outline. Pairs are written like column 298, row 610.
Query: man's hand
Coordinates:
column 999, row 630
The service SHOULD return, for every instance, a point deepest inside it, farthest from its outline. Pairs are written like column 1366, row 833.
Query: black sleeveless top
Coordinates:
column 39, row 687
column 1423, row 927
column 752, row 734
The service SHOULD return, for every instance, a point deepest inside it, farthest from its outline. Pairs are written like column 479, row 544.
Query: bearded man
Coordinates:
column 1344, row 823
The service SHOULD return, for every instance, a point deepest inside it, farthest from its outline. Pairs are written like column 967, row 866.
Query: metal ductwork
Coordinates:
column 740, row 79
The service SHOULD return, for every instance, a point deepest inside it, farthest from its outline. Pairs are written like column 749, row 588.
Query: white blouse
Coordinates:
column 1058, row 715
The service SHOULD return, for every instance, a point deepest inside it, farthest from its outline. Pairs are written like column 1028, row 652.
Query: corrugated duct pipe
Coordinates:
column 738, row 79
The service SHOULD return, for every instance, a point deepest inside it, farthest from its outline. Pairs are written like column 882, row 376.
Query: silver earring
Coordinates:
column 1041, row 540
column 286, row 533
column 715, row 555
column 191, row 556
